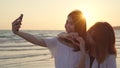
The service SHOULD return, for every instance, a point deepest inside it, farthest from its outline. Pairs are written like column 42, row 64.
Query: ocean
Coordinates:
column 15, row 52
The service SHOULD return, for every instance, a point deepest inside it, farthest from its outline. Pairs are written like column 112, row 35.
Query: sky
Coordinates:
column 52, row 14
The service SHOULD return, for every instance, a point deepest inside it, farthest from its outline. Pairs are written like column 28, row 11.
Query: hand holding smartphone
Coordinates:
column 19, row 20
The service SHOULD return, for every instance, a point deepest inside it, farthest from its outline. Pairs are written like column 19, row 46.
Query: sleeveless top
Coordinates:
column 64, row 56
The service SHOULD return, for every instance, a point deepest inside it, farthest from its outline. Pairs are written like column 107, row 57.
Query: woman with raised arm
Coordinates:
column 65, row 48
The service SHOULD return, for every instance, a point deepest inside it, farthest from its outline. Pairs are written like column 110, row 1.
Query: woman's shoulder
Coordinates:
column 51, row 38
column 111, row 58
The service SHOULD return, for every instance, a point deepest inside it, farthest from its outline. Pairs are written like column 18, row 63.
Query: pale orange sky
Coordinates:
column 52, row 14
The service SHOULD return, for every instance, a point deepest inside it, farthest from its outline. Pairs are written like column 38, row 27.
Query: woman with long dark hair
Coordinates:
column 101, row 39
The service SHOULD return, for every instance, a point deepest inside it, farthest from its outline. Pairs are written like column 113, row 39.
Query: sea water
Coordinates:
column 16, row 52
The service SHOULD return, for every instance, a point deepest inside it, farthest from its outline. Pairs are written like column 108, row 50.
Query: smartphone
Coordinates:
column 20, row 18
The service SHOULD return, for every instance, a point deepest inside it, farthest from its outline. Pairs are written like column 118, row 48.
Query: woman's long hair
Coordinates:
column 80, row 24
column 104, row 37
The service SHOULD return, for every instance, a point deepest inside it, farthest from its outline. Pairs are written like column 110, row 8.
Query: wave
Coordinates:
column 9, row 46
column 19, row 49
column 21, row 56
column 23, row 62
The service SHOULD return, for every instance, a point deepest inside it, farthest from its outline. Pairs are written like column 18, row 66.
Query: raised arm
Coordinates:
column 83, row 52
column 15, row 29
column 81, row 44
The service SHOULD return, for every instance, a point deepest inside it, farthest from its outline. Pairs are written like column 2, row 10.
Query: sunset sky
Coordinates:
column 52, row 14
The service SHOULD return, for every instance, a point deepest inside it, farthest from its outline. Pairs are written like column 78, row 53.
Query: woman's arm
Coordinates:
column 31, row 38
column 82, row 61
column 15, row 29
column 81, row 44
